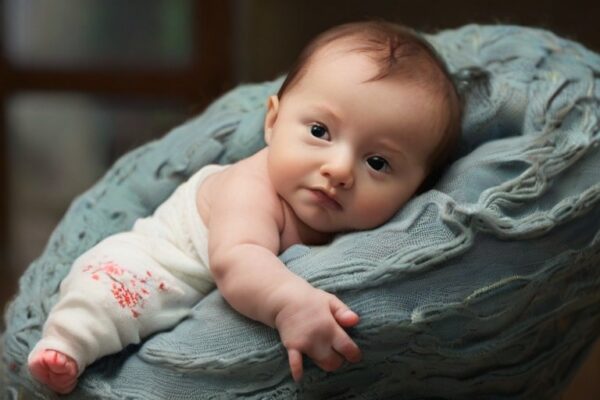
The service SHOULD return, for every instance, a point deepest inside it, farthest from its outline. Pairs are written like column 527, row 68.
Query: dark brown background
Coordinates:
column 240, row 41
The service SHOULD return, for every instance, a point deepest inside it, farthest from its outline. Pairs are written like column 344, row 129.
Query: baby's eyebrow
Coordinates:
column 322, row 108
column 392, row 147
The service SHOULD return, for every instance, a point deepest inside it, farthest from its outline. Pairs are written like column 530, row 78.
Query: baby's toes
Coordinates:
column 38, row 369
column 59, row 363
column 63, row 384
column 56, row 370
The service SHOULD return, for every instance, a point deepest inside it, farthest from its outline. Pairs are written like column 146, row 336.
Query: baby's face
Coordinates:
column 344, row 154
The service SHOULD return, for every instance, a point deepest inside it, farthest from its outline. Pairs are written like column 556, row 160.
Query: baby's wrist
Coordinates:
column 287, row 299
column 278, row 301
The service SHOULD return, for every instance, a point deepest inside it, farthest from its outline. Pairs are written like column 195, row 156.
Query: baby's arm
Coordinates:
column 244, row 239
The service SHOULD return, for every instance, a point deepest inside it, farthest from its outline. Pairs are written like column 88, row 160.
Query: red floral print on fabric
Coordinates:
column 129, row 289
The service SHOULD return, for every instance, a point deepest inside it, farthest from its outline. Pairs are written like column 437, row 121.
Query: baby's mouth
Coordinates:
column 326, row 200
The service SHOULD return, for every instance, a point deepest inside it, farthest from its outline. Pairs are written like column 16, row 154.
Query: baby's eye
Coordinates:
column 377, row 163
column 319, row 131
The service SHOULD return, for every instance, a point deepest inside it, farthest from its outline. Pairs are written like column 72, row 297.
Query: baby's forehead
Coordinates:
column 407, row 67
column 336, row 57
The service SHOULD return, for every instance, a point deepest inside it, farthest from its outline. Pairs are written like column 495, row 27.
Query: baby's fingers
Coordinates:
column 342, row 313
column 295, row 360
column 344, row 345
column 330, row 363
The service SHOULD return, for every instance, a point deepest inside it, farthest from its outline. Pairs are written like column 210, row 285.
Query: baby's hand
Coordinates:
column 312, row 323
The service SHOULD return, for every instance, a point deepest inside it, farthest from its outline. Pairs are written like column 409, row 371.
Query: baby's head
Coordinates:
column 365, row 116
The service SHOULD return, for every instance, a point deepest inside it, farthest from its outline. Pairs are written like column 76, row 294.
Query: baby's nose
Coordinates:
column 339, row 173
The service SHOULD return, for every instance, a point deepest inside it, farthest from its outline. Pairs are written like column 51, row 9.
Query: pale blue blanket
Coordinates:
column 486, row 287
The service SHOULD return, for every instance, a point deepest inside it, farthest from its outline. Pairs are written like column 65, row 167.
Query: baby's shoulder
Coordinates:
column 248, row 181
column 250, row 174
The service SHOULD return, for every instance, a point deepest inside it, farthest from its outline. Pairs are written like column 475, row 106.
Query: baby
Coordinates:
column 365, row 116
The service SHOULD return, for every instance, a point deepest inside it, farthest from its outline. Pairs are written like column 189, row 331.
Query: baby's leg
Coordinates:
column 115, row 294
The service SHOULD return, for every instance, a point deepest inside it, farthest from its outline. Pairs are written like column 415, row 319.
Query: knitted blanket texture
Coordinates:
column 486, row 286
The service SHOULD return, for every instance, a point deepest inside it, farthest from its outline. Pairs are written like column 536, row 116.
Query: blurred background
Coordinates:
column 83, row 81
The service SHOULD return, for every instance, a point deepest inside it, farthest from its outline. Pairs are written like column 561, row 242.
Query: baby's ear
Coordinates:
column 271, row 117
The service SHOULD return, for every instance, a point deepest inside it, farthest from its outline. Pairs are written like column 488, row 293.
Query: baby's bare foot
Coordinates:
column 55, row 370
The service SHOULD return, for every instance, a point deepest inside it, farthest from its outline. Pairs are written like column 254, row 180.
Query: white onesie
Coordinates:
column 134, row 283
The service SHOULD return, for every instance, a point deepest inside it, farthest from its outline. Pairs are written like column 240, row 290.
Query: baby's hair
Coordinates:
column 401, row 52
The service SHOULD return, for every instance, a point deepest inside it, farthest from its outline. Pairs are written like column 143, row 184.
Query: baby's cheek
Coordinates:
column 374, row 211
column 288, row 166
